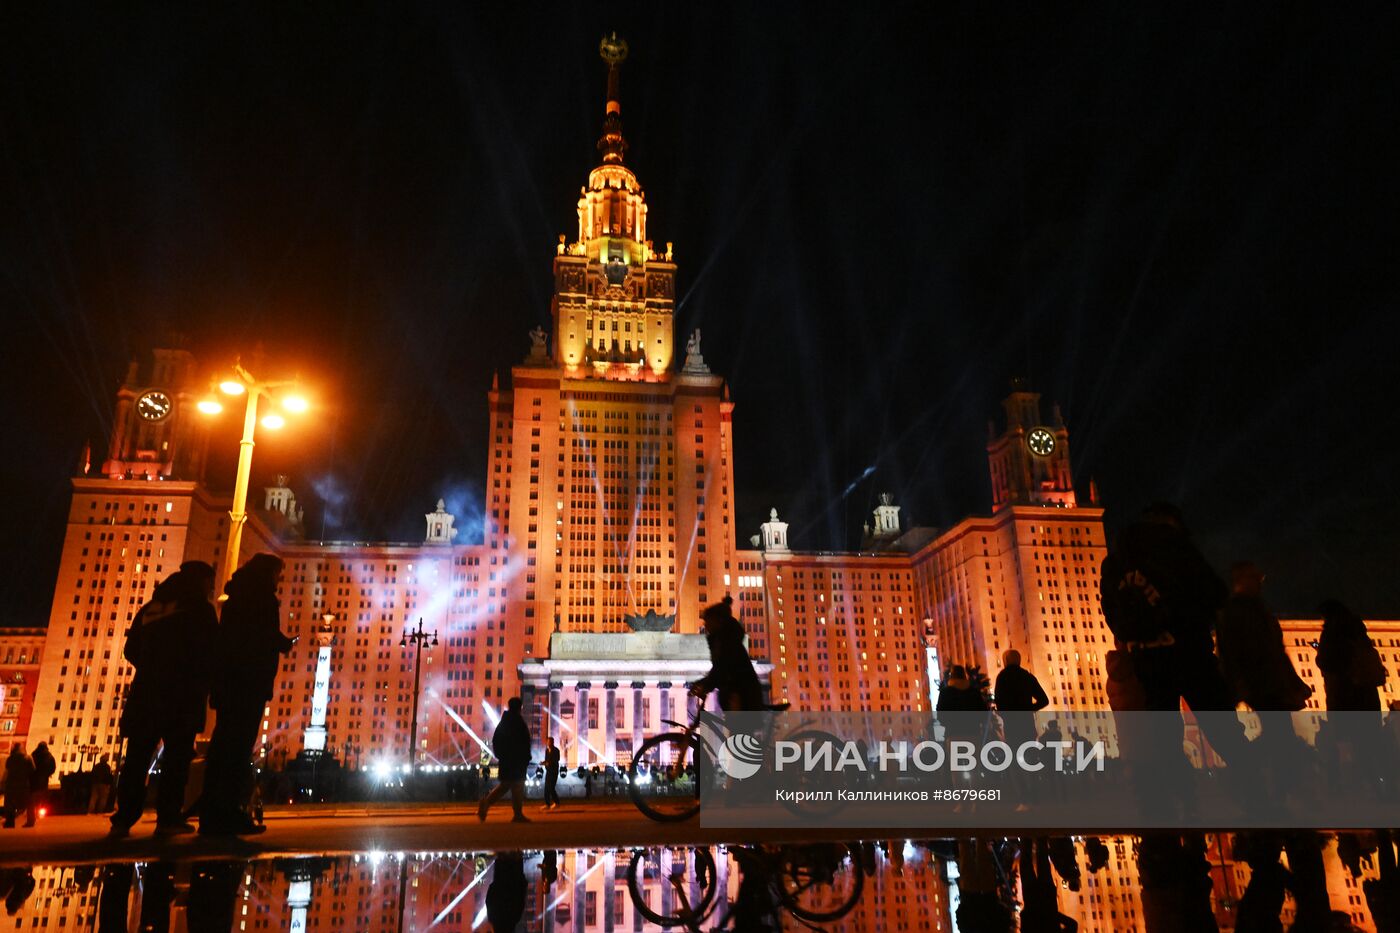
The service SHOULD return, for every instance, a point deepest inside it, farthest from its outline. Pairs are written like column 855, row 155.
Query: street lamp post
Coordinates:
column 243, row 383
column 420, row 639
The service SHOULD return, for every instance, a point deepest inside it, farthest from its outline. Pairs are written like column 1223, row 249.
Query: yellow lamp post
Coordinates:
column 242, row 383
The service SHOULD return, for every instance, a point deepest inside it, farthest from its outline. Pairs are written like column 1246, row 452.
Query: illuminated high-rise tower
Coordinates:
column 610, row 478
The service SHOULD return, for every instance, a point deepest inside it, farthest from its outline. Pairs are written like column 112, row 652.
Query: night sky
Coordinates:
column 1181, row 229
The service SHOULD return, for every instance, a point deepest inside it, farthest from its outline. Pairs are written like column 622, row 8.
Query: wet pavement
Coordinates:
column 868, row 884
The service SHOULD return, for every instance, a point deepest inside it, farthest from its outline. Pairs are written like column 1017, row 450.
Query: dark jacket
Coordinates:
column 551, row 761
column 170, row 644
column 1018, row 690
column 19, row 780
column 1018, row 696
column 959, row 697
column 250, row 642
column 511, row 743
column 1156, row 583
column 44, row 767
column 731, row 668
column 1253, row 659
column 1341, row 650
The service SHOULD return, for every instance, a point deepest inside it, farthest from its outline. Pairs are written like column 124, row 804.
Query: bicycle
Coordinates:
column 669, row 771
column 815, row 883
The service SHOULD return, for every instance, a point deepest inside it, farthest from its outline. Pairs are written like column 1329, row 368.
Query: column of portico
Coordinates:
column 609, row 886
column 580, row 888
column 581, row 756
column 555, row 688
column 610, row 722
column 663, row 694
column 637, row 724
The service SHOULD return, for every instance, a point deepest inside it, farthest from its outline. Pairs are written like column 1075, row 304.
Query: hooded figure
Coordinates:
column 19, row 776
column 731, row 668
column 250, row 645
column 170, row 645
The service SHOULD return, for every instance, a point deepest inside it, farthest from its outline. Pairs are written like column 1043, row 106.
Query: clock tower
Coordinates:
column 1029, row 460
column 157, row 433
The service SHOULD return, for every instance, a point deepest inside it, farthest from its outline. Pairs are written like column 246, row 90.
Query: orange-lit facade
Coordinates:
column 21, row 654
column 608, row 499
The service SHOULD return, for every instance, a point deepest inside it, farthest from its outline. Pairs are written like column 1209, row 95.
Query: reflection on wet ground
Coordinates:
column 1160, row 883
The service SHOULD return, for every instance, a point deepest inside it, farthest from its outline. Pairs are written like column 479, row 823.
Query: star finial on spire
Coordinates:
column 613, row 50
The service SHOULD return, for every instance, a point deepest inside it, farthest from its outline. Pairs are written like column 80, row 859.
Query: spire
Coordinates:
column 611, row 144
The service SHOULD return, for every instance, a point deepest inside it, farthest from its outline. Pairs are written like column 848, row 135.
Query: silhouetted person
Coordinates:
column 1258, row 670
column 101, row 786
column 1160, row 599
column 1351, row 667
column 1019, row 696
column 1252, row 655
column 505, row 897
column 731, row 669
column 17, row 884
column 169, row 644
column 1352, row 672
column 250, row 645
column 549, row 869
column 44, row 767
column 551, row 773
column 213, row 895
column 961, row 697
column 511, row 743
column 19, row 786
column 157, row 895
column 112, row 903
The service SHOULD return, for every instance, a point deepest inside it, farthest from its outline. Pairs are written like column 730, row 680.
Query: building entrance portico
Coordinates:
column 601, row 694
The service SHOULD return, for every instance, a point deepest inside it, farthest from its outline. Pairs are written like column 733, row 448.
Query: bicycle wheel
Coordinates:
column 664, row 777
column 820, row 882
column 660, row 891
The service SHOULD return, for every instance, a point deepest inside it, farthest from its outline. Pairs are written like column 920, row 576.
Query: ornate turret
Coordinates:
column 613, row 295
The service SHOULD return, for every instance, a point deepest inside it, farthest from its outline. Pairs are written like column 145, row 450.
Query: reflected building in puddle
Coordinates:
column 903, row 885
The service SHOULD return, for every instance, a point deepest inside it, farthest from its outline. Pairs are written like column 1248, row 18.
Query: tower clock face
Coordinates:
column 1041, row 442
column 153, row 406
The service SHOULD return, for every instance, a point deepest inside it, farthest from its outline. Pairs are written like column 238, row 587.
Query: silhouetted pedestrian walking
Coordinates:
column 19, row 786
column 505, row 896
column 551, row 773
column 250, row 645
column 511, row 743
column 169, row 645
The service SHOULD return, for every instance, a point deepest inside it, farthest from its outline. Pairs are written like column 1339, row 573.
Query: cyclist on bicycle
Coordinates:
column 731, row 668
